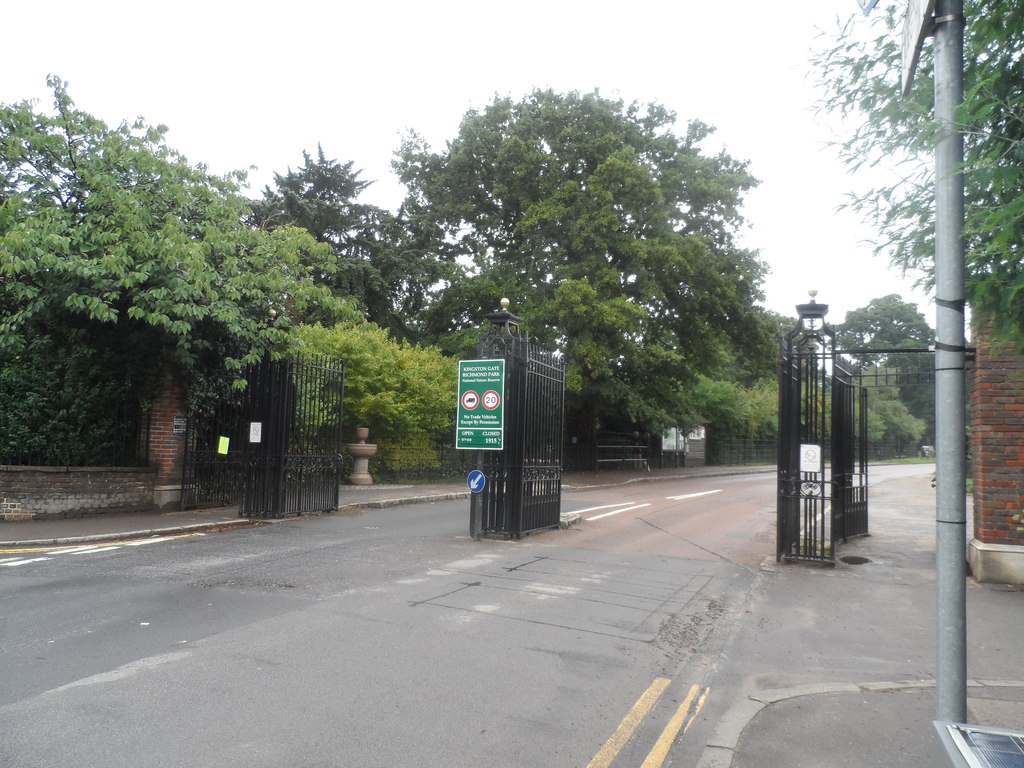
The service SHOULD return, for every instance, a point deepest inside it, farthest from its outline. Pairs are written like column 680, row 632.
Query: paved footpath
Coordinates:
column 838, row 664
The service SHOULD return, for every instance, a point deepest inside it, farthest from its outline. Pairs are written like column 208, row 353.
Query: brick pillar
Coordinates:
column 167, row 442
column 997, row 451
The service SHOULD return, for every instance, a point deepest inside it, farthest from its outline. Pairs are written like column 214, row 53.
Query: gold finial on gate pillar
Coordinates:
column 502, row 322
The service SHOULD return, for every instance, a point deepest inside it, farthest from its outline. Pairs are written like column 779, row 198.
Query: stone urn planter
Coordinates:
column 361, row 453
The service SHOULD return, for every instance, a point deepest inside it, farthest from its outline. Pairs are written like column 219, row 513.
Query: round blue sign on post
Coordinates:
column 476, row 481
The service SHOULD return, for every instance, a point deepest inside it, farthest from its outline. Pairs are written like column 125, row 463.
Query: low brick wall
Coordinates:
column 47, row 492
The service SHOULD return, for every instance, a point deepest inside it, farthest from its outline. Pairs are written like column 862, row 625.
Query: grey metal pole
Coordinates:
column 950, row 357
column 476, row 502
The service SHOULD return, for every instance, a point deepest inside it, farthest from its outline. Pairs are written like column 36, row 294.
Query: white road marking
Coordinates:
column 126, row 670
column 85, row 549
column 153, row 540
column 552, row 589
column 471, row 562
column 693, row 495
column 604, row 506
column 90, row 550
column 616, row 511
column 25, row 562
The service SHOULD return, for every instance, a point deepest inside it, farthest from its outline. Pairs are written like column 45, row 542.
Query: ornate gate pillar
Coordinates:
column 523, row 481
column 822, row 474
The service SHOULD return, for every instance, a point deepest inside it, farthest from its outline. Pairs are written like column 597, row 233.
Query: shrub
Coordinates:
column 404, row 393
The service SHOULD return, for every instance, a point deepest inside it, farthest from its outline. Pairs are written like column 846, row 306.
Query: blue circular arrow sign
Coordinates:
column 476, row 481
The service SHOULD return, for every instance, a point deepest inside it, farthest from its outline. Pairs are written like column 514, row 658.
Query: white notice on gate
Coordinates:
column 810, row 458
column 255, row 431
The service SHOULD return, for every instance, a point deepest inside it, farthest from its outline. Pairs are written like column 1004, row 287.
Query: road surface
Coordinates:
column 390, row 638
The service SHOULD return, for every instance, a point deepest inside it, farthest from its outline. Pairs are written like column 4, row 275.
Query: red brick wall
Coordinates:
column 997, row 441
column 43, row 492
column 78, row 491
column 166, row 449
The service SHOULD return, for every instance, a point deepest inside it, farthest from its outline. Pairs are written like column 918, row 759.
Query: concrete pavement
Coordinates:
column 838, row 664
column 835, row 665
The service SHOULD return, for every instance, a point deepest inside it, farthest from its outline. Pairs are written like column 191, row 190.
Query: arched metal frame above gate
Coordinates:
column 822, row 469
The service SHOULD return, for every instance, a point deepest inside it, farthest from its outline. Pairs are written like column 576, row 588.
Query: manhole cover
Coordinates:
column 854, row 560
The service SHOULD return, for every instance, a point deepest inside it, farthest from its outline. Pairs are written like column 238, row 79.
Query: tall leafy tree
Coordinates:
column 611, row 235
column 861, row 79
column 890, row 323
column 372, row 264
column 404, row 393
column 119, row 260
column 731, row 410
column 891, row 424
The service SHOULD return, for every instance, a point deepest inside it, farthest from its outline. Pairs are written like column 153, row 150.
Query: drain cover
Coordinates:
column 854, row 560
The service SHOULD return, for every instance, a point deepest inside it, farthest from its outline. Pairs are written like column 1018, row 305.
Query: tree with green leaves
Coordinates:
column 373, row 264
column 404, row 393
column 120, row 261
column 891, row 423
column 612, row 236
column 861, row 78
column 890, row 323
column 734, row 411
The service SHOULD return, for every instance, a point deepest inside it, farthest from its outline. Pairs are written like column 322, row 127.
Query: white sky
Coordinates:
column 243, row 84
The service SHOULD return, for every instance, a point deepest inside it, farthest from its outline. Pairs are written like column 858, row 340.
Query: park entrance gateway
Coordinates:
column 510, row 412
column 822, row 465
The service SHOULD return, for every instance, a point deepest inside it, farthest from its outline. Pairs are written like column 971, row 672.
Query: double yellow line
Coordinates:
column 681, row 721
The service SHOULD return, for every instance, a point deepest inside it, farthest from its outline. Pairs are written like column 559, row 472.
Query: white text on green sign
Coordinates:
column 480, row 423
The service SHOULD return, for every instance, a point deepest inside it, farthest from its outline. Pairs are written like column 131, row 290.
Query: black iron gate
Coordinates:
column 849, row 463
column 523, row 488
column 273, row 448
column 822, row 472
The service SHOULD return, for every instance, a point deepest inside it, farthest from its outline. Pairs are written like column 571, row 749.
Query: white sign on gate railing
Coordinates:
column 810, row 458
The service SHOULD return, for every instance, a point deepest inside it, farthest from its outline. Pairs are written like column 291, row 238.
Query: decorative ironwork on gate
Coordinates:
column 523, row 489
column 273, row 448
column 822, row 469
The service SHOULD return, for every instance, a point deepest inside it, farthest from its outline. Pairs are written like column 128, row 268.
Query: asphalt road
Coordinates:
column 390, row 638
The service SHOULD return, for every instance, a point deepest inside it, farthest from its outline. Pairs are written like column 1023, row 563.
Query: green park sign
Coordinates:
column 481, row 422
